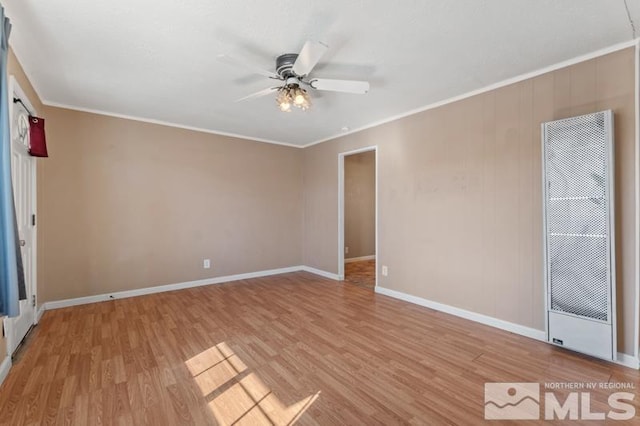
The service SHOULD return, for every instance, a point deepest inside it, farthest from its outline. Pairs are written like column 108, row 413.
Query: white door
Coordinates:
column 23, row 173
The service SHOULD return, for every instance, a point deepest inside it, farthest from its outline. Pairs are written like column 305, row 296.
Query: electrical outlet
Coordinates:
column 385, row 270
column 346, row 250
column 206, row 264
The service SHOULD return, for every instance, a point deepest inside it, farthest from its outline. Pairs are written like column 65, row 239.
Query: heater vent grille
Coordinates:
column 579, row 283
column 577, row 215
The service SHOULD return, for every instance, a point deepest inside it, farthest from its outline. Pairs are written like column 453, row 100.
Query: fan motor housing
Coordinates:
column 284, row 65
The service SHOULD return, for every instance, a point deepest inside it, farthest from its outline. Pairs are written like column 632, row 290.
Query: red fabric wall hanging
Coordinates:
column 37, row 140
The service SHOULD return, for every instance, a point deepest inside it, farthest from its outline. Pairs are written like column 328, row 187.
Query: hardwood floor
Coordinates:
column 362, row 273
column 275, row 350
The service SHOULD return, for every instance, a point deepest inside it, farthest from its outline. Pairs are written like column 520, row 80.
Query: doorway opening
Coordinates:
column 358, row 248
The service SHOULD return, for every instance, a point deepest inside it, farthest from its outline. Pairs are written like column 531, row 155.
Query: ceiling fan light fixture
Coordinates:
column 292, row 94
column 285, row 107
column 292, row 72
column 302, row 99
column 299, row 97
column 284, row 100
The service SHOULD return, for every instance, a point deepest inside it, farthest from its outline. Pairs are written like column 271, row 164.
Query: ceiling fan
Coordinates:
column 293, row 80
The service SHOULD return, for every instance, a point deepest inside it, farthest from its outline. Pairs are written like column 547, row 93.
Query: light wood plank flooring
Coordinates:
column 286, row 349
column 362, row 273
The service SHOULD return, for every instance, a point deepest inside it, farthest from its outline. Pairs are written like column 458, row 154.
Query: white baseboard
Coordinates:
column 360, row 259
column 320, row 272
column 162, row 288
column 178, row 286
column 623, row 359
column 39, row 312
column 473, row 316
column 627, row 360
column 5, row 366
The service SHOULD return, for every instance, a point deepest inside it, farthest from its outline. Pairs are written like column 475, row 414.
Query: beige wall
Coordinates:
column 124, row 204
column 360, row 204
column 15, row 69
column 127, row 205
column 460, row 199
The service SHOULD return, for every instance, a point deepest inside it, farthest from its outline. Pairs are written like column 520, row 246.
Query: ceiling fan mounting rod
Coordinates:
column 284, row 65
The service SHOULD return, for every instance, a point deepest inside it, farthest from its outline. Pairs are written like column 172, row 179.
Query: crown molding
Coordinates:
column 494, row 86
column 166, row 123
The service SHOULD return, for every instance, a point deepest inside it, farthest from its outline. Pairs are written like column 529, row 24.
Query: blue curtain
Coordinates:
column 11, row 274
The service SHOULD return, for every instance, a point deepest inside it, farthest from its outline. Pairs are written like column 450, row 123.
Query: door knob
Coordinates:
column 23, row 243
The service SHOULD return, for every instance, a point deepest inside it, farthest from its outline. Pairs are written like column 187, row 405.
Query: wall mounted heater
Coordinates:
column 579, row 232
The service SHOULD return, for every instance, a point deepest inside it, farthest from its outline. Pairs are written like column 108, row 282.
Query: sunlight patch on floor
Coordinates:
column 237, row 395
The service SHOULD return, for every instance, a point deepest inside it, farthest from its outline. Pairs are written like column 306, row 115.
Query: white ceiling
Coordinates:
column 156, row 59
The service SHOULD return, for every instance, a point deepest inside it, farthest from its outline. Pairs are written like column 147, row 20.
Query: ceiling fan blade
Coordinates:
column 347, row 86
column 308, row 57
column 259, row 94
column 241, row 64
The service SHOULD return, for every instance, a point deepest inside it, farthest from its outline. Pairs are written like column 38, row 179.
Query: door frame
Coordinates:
column 341, row 157
column 16, row 91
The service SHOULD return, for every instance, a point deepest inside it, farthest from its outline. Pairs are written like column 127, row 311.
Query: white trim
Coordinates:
column 359, row 259
column 497, row 85
column 341, row 156
column 65, row 303
column 377, row 278
column 15, row 90
column 320, row 272
column 636, row 328
column 39, row 313
column 622, row 358
column 627, row 360
column 503, row 83
column 4, row 368
column 462, row 313
column 167, row 123
column 341, row 216
column 162, row 288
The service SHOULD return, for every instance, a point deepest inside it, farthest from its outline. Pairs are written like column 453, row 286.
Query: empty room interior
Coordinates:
column 319, row 213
